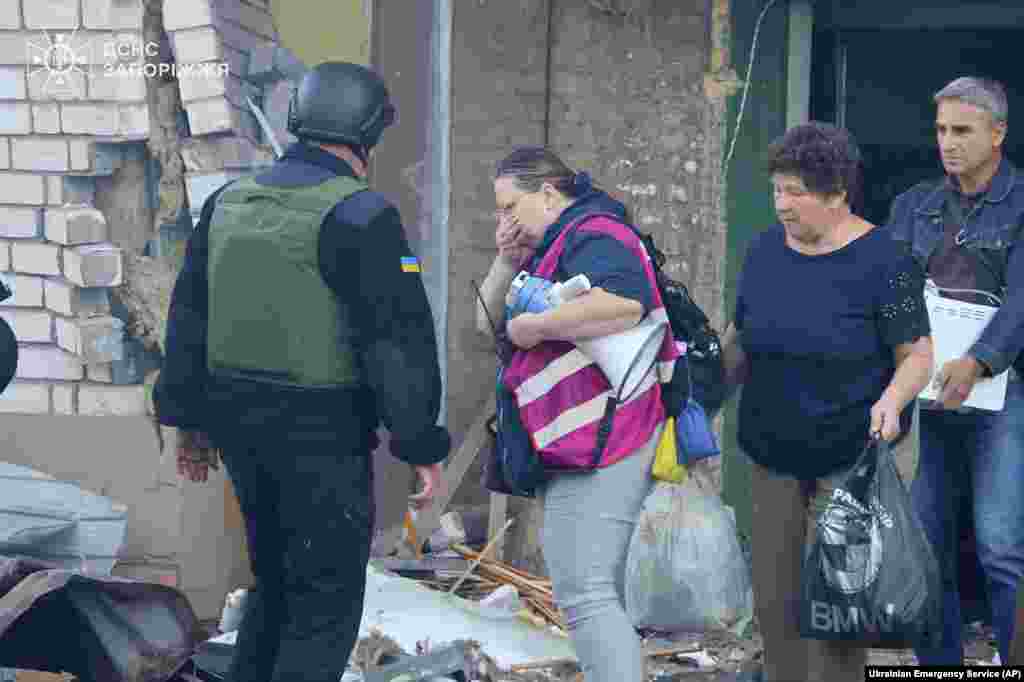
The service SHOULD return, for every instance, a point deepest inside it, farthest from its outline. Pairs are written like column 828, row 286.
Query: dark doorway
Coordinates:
column 879, row 84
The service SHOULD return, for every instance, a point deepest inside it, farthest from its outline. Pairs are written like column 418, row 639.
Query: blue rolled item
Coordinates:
column 531, row 297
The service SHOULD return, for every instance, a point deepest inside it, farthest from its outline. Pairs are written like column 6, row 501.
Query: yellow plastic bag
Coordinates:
column 666, row 461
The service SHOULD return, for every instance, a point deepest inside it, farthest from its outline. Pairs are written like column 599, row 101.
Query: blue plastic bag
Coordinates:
column 694, row 438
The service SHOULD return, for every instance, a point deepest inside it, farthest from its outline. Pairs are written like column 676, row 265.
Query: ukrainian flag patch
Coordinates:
column 410, row 264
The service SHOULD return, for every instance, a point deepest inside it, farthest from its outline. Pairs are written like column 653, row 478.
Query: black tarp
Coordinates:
column 99, row 628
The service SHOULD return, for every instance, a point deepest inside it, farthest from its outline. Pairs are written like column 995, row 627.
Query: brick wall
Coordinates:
column 63, row 128
column 207, row 32
column 239, row 36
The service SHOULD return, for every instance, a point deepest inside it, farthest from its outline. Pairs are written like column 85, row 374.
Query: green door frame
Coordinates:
column 778, row 97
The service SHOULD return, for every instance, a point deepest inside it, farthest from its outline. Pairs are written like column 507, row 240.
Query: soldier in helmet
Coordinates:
column 298, row 323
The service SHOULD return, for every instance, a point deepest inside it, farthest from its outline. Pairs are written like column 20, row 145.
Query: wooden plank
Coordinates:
column 429, row 520
column 495, row 522
column 476, row 438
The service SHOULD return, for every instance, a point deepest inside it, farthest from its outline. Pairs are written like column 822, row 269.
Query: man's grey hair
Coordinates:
column 983, row 93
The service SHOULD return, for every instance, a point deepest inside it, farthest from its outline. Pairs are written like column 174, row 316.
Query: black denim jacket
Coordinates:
column 992, row 232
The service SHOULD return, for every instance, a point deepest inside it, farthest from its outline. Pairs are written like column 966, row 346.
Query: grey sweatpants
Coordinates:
column 588, row 523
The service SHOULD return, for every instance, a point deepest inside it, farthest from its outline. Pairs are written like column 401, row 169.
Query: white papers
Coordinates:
column 955, row 327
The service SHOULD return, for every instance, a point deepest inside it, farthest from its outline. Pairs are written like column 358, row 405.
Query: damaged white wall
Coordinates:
column 67, row 130
column 102, row 163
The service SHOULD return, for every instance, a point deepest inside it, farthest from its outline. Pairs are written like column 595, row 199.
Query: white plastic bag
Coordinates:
column 685, row 571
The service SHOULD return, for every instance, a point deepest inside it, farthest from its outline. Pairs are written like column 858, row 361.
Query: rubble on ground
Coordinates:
column 727, row 654
column 453, row 560
column 452, row 613
column 453, row 567
column 698, row 658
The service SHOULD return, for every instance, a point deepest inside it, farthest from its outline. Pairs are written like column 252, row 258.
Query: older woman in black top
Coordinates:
column 832, row 343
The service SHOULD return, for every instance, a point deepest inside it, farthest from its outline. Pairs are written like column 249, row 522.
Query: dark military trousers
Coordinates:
column 308, row 510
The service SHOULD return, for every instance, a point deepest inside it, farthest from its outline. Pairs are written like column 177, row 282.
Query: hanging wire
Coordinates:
column 746, row 88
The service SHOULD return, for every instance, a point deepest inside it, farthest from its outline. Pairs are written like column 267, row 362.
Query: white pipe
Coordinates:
column 441, row 173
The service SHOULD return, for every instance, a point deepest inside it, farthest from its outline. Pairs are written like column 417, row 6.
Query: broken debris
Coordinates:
column 407, row 611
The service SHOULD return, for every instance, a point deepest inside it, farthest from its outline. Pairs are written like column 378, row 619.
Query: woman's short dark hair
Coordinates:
column 824, row 156
column 533, row 166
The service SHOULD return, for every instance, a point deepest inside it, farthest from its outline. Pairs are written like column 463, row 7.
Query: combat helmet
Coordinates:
column 341, row 103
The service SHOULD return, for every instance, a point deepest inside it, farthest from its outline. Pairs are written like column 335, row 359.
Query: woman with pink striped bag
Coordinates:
column 596, row 444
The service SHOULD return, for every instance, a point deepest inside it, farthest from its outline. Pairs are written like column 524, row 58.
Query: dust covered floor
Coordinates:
column 722, row 657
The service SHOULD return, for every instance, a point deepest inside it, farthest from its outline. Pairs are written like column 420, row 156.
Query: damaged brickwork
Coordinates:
column 119, row 118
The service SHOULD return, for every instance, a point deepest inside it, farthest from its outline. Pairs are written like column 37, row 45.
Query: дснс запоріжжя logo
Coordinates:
column 64, row 62
column 57, row 60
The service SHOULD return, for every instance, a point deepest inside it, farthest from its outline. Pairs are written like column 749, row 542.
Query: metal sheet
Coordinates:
column 44, row 518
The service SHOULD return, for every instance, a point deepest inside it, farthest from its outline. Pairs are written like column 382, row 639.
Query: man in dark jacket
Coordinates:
column 965, row 231
column 299, row 322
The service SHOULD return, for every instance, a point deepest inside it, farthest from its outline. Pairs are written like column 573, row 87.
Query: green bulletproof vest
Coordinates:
column 271, row 315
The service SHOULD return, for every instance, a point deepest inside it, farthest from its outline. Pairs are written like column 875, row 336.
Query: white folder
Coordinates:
column 956, row 326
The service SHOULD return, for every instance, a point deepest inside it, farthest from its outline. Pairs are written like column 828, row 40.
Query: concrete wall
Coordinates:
column 499, row 81
column 185, row 535
column 628, row 104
